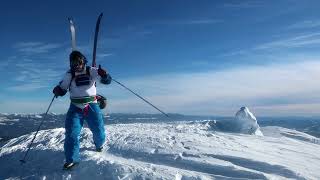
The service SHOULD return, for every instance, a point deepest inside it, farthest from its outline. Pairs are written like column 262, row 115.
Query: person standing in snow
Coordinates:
column 81, row 82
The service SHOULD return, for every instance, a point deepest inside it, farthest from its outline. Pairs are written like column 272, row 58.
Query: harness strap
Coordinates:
column 83, row 100
column 84, row 111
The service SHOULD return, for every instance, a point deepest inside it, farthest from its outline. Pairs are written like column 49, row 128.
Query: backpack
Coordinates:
column 73, row 75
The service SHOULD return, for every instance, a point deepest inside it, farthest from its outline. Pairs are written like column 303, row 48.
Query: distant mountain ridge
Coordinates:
column 25, row 123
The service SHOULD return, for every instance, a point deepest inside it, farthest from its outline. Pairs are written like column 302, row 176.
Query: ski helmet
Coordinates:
column 76, row 58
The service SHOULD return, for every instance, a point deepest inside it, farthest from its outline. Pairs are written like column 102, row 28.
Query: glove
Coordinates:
column 106, row 80
column 102, row 72
column 58, row 91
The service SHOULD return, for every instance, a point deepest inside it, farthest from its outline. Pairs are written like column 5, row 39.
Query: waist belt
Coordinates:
column 83, row 100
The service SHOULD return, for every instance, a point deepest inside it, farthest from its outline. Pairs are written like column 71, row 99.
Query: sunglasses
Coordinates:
column 75, row 64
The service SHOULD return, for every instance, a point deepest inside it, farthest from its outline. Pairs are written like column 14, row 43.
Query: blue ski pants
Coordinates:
column 73, row 125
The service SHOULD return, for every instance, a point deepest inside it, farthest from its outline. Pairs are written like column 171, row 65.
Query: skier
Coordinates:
column 81, row 80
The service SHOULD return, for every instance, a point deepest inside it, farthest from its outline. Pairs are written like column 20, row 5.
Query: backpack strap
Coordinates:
column 72, row 76
column 88, row 68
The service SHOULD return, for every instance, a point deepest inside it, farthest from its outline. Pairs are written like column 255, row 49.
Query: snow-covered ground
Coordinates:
column 175, row 150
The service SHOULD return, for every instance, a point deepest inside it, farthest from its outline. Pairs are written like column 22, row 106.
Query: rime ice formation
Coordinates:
column 247, row 122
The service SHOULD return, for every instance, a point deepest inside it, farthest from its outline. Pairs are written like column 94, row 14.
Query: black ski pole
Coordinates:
column 34, row 137
column 140, row 97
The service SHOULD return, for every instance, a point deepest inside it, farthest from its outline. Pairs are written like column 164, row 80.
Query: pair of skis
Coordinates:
column 96, row 32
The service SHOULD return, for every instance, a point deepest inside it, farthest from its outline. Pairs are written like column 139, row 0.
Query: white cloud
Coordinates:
column 22, row 107
column 223, row 92
column 276, row 89
column 297, row 41
column 236, row 52
column 36, row 47
column 7, row 62
column 28, row 44
column 305, row 24
column 35, row 106
column 244, row 4
column 199, row 21
column 103, row 55
column 27, row 87
column 301, row 109
column 32, row 79
column 29, row 72
column 4, row 64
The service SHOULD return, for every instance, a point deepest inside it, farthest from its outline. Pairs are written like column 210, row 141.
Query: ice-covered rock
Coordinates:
column 247, row 122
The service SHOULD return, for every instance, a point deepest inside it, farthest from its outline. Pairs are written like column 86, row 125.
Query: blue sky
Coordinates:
column 192, row 57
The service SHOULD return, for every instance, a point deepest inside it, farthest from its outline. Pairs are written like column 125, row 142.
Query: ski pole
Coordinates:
column 140, row 97
column 34, row 137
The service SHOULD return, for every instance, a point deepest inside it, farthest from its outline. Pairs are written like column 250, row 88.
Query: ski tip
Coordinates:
column 70, row 19
column 101, row 14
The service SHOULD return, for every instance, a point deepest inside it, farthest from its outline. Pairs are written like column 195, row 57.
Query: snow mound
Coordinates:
column 244, row 122
column 247, row 122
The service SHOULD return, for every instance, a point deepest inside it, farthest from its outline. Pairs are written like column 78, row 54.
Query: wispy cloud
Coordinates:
column 31, row 76
column 224, row 91
column 236, row 52
column 27, row 87
column 36, row 47
column 4, row 64
column 103, row 55
column 301, row 109
column 267, row 90
column 297, row 41
column 305, row 24
column 244, row 4
column 199, row 21
column 38, row 106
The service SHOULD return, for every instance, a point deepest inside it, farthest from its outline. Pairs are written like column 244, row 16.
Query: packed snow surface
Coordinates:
column 176, row 150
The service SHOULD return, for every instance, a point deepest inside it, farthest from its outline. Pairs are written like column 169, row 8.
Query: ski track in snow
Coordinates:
column 181, row 150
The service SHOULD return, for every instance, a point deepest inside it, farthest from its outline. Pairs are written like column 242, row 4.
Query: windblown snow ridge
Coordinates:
column 182, row 150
